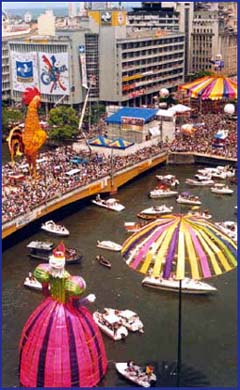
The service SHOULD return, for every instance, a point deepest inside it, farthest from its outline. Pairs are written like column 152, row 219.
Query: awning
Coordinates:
column 72, row 172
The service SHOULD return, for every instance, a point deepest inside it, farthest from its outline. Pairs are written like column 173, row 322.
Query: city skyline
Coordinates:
column 15, row 5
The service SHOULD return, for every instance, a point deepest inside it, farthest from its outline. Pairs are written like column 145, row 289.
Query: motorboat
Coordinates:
column 189, row 286
column 169, row 180
column 229, row 228
column 41, row 250
column 148, row 217
column 221, row 189
column 109, row 324
column 133, row 227
column 220, row 175
column 103, row 261
column 31, row 282
column 110, row 245
column 186, row 198
column 203, row 177
column 199, row 214
column 111, row 203
column 52, row 227
column 157, row 210
column 162, row 193
column 136, row 374
column 201, row 183
column 128, row 318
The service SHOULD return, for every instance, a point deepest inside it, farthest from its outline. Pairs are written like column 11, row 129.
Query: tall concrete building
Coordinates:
column 9, row 32
column 212, row 35
column 128, row 68
column 172, row 16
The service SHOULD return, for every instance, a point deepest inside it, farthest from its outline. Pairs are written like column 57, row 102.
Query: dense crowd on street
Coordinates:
column 202, row 139
column 22, row 194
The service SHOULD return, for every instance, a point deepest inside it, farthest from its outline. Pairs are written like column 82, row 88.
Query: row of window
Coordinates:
column 155, row 42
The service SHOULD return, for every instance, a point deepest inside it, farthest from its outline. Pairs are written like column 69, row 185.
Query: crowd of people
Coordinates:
column 202, row 139
column 21, row 194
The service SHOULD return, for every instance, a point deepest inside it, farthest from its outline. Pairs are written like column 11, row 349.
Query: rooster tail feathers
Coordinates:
column 15, row 142
column 29, row 94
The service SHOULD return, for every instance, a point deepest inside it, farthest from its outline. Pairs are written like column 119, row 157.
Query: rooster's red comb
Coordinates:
column 29, row 94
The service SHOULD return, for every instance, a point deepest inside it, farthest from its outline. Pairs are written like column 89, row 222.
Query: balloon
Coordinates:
column 164, row 92
column 229, row 109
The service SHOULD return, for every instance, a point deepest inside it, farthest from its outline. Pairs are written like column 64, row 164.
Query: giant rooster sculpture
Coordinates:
column 29, row 140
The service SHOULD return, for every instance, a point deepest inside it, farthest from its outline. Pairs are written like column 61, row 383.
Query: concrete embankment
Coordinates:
column 199, row 158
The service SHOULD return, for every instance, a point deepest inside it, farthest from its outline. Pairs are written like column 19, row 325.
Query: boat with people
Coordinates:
column 54, row 228
column 103, row 261
column 133, row 227
column 200, row 214
column 199, row 183
column 111, row 203
column 221, row 189
column 110, row 245
column 32, row 283
column 109, row 324
column 142, row 376
column 157, row 210
column 41, row 250
column 229, row 228
column 187, row 198
column 189, row 286
column 162, row 192
column 128, row 318
column 169, row 180
column 219, row 172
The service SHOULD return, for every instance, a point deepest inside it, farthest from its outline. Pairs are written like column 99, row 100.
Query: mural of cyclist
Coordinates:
column 53, row 73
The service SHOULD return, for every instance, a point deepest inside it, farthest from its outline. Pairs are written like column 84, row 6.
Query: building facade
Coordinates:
column 127, row 68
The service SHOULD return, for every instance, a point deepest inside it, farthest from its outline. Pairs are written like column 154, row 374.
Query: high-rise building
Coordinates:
column 72, row 9
column 212, row 35
column 128, row 68
column 172, row 16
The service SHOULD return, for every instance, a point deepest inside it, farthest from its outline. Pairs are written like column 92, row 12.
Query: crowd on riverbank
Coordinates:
column 21, row 194
column 202, row 139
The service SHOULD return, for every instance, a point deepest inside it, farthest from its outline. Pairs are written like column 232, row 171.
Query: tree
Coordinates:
column 200, row 74
column 63, row 122
column 10, row 117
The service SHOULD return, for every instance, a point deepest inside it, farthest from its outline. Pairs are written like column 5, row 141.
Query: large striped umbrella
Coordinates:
column 182, row 246
column 211, row 87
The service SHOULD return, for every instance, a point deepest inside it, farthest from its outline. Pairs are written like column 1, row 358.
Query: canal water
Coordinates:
column 209, row 324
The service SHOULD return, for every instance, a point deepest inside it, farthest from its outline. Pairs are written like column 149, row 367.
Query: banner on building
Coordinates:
column 131, row 123
column 24, row 70
column 54, row 73
column 82, row 56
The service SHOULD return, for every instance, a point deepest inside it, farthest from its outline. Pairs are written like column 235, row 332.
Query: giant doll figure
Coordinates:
column 60, row 345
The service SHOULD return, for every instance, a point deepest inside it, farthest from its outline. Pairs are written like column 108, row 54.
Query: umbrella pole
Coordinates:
column 179, row 355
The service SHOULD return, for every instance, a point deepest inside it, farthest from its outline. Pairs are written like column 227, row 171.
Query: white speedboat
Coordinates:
column 221, row 189
column 128, row 318
column 136, row 374
column 229, row 228
column 157, row 210
column 189, row 286
column 111, row 203
column 133, row 227
column 220, row 175
column 52, row 227
column 201, row 183
column 162, row 193
column 169, row 180
column 203, row 177
column 207, row 171
column 109, row 324
column 32, row 283
column 186, row 198
column 110, row 245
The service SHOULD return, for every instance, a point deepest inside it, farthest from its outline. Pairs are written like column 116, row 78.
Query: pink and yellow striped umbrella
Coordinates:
column 211, row 87
column 180, row 245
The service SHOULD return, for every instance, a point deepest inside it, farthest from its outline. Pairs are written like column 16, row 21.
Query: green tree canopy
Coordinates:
column 9, row 118
column 63, row 123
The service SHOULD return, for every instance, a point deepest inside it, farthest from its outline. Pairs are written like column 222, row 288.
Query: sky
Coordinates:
column 31, row 5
